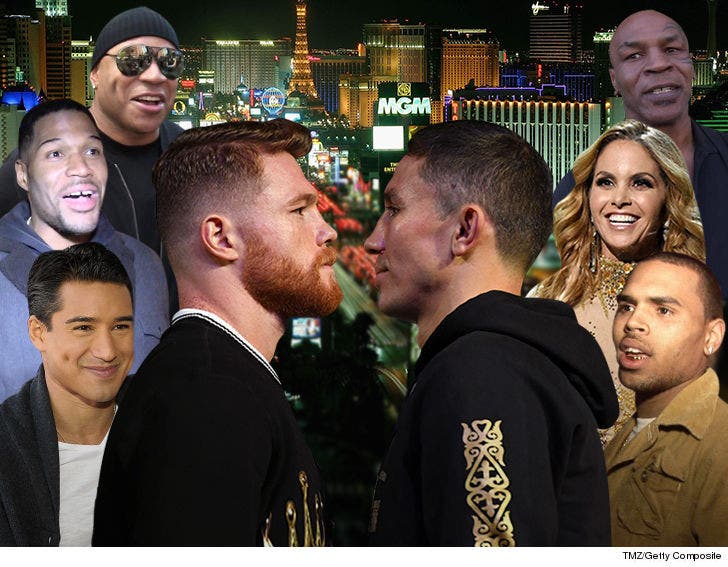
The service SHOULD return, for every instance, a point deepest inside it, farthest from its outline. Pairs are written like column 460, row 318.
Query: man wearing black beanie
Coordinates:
column 134, row 90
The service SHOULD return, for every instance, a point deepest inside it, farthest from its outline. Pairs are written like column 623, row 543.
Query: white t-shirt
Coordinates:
column 80, row 469
column 642, row 422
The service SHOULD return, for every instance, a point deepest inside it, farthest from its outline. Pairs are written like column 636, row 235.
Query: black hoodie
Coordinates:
column 497, row 442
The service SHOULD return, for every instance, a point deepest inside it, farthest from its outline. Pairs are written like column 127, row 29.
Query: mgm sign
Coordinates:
column 401, row 108
column 403, row 104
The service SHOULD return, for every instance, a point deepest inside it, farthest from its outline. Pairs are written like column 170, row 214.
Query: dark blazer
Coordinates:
column 29, row 468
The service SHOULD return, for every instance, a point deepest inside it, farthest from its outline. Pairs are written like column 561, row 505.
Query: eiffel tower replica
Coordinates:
column 301, row 80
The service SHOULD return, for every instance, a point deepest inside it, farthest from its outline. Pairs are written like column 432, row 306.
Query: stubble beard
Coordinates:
column 283, row 287
column 648, row 385
column 80, row 230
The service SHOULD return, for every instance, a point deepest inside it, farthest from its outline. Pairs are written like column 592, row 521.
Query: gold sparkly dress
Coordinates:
column 597, row 315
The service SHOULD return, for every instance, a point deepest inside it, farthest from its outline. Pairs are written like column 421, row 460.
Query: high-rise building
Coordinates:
column 57, row 47
column 8, row 56
column 81, row 52
column 559, row 131
column 396, row 50
column 301, row 79
column 469, row 55
column 433, row 50
column 247, row 61
column 58, row 57
column 37, row 55
column 412, row 53
column 193, row 61
column 381, row 41
column 53, row 8
column 603, row 88
column 357, row 96
column 327, row 68
column 23, row 51
column 555, row 31
column 704, row 69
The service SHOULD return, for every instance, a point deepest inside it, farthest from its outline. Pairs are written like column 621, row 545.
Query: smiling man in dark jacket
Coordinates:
column 496, row 443
column 53, row 431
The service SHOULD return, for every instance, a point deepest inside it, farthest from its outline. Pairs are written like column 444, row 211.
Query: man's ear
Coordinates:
column 219, row 239
column 21, row 174
column 715, row 331
column 614, row 82
column 37, row 332
column 472, row 224
column 94, row 77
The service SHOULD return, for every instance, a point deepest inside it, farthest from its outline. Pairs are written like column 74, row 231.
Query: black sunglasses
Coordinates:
column 133, row 60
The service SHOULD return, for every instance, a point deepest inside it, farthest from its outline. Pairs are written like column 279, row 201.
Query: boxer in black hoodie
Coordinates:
column 496, row 443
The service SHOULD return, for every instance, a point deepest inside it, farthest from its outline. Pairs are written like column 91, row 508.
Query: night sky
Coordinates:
column 334, row 24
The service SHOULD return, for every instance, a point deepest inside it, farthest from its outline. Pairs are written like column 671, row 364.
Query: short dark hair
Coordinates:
column 27, row 124
column 469, row 161
column 217, row 165
column 86, row 262
column 708, row 286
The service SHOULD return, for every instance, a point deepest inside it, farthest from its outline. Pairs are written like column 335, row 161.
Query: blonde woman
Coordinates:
column 632, row 198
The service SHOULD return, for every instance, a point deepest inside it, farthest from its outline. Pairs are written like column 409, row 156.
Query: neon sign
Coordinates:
column 273, row 100
column 538, row 8
column 404, row 105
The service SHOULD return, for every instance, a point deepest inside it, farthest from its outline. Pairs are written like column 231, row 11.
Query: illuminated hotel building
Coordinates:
column 327, row 67
column 10, row 26
column 193, row 61
column 58, row 48
column 555, row 31
column 53, row 8
column 23, row 51
column 81, row 52
column 357, row 96
column 396, row 50
column 252, row 62
column 411, row 53
column 602, row 83
column 559, row 131
column 58, row 57
column 703, row 71
column 469, row 55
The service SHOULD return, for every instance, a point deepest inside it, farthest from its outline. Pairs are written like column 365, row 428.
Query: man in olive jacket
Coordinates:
column 668, row 468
